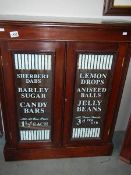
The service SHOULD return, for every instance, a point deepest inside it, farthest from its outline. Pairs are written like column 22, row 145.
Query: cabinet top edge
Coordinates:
column 64, row 22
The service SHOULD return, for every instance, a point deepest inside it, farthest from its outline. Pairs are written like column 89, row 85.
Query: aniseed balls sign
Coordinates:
column 93, row 79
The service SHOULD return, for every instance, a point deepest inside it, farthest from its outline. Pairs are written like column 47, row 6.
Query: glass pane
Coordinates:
column 93, row 80
column 33, row 81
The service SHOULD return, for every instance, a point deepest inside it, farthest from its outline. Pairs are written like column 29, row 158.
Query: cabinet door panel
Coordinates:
column 35, row 77
column 89, row 90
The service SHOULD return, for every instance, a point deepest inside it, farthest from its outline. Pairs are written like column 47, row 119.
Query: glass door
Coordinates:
column 91, row 92
column 34, row 73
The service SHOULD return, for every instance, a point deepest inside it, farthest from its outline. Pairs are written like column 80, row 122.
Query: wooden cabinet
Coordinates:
column 62, row 85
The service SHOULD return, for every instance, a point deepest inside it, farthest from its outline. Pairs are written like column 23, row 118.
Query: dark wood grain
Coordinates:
column 12, row 154
column 67, row 32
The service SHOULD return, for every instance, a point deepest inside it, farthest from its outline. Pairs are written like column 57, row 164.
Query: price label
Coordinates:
column 14, row 34
column 2, row 29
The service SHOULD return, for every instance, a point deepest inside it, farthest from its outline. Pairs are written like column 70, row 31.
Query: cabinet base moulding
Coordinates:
column 12, row 154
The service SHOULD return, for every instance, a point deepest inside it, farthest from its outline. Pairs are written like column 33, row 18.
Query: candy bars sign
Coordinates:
column 33, row 80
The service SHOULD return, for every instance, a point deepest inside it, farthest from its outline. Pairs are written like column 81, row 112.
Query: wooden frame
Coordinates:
column 111, row 9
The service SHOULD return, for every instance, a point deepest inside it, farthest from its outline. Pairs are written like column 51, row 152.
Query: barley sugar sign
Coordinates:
column 33, row 80
column 93, row 79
